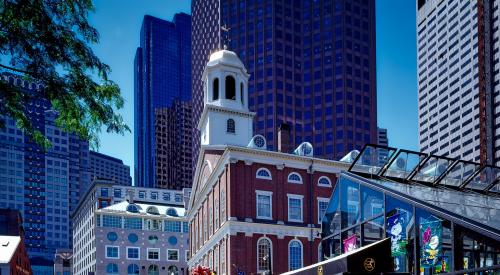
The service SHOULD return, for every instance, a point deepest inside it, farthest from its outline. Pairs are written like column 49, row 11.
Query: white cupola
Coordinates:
column 225, row 118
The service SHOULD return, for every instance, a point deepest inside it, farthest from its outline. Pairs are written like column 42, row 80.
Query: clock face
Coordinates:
column 259, row 141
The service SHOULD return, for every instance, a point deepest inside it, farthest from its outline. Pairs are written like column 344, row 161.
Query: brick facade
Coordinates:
column 223, row 215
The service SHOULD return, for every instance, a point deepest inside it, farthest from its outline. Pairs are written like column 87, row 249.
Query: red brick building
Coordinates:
column 249, row 203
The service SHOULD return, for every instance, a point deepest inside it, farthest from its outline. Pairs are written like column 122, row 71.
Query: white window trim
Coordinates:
column 325, row 185
column 301, row 252
column 178, row 255
column 319, row 252
column 264, row 193
column 186, row 255
column 294, row 181
column 294, row 196
column 138, row 255
column 154, row 249
column 327, row 200
column 272, row 262
column 110, row 246
column 262, row 177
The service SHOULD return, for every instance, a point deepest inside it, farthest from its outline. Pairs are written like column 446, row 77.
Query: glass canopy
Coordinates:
column 376, row 161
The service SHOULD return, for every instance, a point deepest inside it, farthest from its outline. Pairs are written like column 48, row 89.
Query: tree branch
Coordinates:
column 14, row 69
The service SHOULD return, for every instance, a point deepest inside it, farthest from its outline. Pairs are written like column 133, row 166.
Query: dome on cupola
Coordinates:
column 227, row 58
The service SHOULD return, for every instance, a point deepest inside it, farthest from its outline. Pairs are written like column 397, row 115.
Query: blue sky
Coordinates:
column 119, row 23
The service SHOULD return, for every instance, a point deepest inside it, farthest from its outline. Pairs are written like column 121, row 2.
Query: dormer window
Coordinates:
column 216, row 89
column 230, row 88
column 231, row 128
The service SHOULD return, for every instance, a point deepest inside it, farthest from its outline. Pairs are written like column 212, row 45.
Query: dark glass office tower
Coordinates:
column 312, row 66
column 162, row 70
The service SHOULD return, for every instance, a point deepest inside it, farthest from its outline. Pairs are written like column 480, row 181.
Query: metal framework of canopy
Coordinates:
column 376, row 161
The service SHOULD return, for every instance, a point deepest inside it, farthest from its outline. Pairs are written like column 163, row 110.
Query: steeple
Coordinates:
column 225, row 118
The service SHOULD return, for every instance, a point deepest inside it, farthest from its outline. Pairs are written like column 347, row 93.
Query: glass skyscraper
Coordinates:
column 312, row 66
column 43, row 185
column 162, row 75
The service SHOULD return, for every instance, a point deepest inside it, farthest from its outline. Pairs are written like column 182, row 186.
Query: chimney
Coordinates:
column 284, row 145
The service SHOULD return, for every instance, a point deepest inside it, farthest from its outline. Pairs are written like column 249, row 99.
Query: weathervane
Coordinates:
column 224, row 37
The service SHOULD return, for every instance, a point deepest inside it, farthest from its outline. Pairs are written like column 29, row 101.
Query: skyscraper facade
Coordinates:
column 458, row 79
column 162, row 74
column 43, row 185
column 173, row 130
column 107, row 167
column 312, row 66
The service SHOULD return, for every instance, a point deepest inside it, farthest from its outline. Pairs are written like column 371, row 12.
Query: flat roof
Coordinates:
column 8, row 246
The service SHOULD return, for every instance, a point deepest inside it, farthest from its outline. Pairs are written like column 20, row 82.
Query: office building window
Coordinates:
column 133, row 253
column 112, row 252
column 154, row 254
column 295, row 208
column 172, row 255
column 264, row 204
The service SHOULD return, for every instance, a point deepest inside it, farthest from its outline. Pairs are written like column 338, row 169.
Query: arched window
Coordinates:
column 112, row 269
column 173, row 270
column 153, row 270
column 152, row 210
column 263, row 173
column 294, row 178
column 231, row 127
column 230, row 87
column 264, row 255
column 172, row 212
column 215, row 89
column 153, row 239
column 133, row 208
column 133, row 269
column 294, row 255
column 324, row 181
column 241, row 93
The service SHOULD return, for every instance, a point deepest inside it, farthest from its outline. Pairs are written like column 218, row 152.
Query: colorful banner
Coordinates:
column 350, row 243
column 396, row 228
column 430, row 243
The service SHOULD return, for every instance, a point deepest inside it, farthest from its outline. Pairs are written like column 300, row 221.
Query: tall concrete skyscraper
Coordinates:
column 162, row 75
column 43, row 185
column 458, row 78
column 312, row 66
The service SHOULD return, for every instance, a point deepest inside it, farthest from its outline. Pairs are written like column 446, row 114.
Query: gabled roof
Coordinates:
column 8, row 246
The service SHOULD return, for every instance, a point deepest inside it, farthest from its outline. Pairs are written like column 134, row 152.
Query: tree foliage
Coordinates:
column 48, row 42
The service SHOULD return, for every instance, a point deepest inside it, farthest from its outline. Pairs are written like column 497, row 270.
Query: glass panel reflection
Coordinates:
column 331, row 220
column 350, row 204
column 432, row 169
column 373, row 203
column 404, row 164
column 461, row 172
column 486, row 177
column 372, row 159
